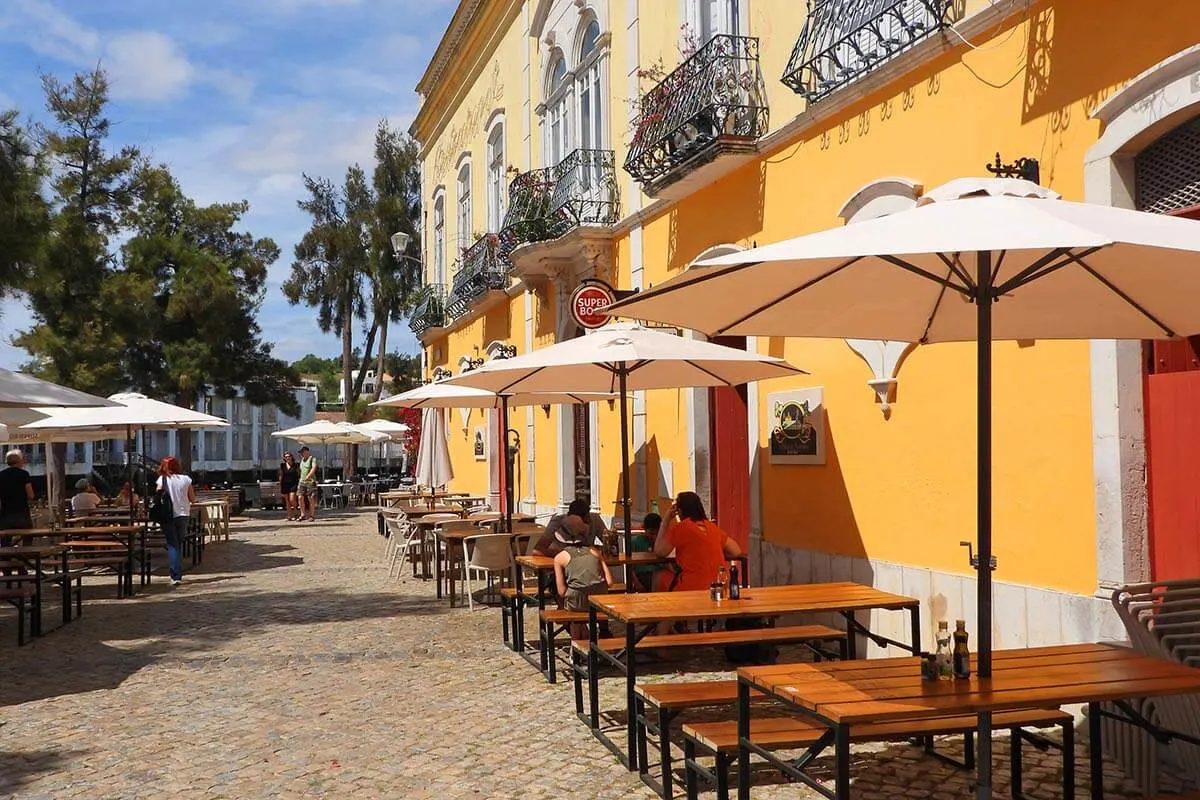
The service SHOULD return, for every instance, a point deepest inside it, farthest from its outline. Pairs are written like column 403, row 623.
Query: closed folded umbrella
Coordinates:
column 977, row 260
column 433, row 453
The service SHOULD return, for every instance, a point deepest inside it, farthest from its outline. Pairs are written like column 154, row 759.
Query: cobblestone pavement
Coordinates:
column 290, row 666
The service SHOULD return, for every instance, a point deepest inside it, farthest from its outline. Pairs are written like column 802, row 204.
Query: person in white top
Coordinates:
column 87, row 498
column 179, row 488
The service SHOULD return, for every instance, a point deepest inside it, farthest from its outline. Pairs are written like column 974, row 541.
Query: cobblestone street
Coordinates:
column 289, row 665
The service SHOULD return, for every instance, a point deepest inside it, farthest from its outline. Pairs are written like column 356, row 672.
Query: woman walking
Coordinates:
column 178, row 487
column 289, row 482
column 308, row 485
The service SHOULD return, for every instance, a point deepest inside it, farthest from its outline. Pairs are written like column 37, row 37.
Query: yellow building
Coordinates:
column 566, row 140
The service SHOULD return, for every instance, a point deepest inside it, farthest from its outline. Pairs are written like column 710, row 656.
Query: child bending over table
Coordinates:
column 579, row 573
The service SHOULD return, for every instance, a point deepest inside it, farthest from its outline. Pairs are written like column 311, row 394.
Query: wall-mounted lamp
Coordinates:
column 1024, row 168
column 400, row 241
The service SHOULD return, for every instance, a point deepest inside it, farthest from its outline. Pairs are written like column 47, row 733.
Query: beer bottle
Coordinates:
column 962, row 655
column 945, row 662
column 735, row 583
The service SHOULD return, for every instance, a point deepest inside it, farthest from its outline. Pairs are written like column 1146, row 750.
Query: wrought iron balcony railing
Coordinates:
column 430, row 310
column 480, row 270
column 545, row 204
column 716, row 96
column 844, row 40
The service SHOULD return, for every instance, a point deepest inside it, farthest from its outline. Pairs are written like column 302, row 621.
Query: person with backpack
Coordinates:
column 172, row 511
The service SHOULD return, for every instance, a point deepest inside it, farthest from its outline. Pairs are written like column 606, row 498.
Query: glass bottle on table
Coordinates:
column 962, row 653
column 723, row 579
column 942, row 655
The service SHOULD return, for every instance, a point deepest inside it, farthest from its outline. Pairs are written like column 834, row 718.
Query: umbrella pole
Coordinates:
column 131, row 472
column 505, row 471
column 983, row 310
column 622, row 380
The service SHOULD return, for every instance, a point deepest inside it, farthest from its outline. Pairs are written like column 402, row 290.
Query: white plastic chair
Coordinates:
column 488, row 553
column 404, row 536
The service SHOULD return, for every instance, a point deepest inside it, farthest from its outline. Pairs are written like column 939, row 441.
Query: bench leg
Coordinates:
column 1015, row 765
column 505, row 611
column 689, row 762
column 722, row 776
column 969, row 750
column 549, row 656
column 21, row 605
column 639, row 720
column 1068, row 754
column 664, row 748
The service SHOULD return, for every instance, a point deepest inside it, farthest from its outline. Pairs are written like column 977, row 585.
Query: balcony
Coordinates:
column 430, row 310
column 480, row 270
column 712, row 105
column 545, row 204
column 844, row 40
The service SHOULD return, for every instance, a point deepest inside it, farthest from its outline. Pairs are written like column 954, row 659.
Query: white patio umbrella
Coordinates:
column 976, row 260
column 624, row 357
column 433, row 452
column 327, row 432
column 393, row 430
column 446, row 395
column 125, row 412
column 18, row 390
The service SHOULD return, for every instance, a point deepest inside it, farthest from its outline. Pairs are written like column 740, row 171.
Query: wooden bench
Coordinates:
column 720, row 739
column 232, row 497
column 101, row 561
column 792, row 634
column 552, row 622
column 19, row 597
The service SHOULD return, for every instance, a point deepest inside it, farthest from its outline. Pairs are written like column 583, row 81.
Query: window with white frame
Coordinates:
column 439, row 239
column 558, row 129
column 710, row 18
column 495, row 178
column 464, row 206
column 591, row 90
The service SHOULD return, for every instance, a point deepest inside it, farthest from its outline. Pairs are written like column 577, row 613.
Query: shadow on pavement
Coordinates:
column 20, row 768
column 114, row 640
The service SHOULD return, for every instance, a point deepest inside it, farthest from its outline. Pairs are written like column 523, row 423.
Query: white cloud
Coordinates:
column 147, row 66
column 50, row 32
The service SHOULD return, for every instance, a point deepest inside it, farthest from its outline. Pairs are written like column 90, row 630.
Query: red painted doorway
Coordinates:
column 1172, row 409
column 729, row 455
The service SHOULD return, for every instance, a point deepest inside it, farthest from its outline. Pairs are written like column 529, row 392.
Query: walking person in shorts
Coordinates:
column 308, row 484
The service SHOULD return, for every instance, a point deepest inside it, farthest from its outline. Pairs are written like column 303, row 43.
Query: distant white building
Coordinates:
column 370, row 381
column 246, row 445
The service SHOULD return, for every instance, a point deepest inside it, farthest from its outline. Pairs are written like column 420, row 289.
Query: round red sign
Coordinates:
column 588, row 301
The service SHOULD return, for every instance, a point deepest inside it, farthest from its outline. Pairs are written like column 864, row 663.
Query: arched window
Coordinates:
column 495, row 178
column 558, row 129
column 439, row 239
column 464, row 206
column 591, row 91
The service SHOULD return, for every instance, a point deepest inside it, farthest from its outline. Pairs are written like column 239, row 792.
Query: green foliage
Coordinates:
column 24, row 213
column 171, row 311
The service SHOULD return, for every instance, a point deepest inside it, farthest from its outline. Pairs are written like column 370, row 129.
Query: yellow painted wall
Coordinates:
column 903, row 489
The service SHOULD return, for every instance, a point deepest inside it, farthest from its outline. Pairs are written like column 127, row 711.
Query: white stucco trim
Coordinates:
column 1150, row 105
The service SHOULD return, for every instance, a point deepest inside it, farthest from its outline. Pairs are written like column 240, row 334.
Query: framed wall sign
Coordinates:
column 480, row 443
column 796, row 421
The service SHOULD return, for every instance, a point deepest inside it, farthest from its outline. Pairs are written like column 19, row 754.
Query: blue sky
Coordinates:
column 238, row 98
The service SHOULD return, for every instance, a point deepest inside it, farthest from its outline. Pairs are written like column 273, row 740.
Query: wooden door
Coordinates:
column 1172, row 408
column 729, row 455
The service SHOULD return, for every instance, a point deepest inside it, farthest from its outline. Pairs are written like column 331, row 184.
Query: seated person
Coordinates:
column 87, row 499
column 701, row 548
column 126, row 495
column 579, row 573
column 558, row 530
column 647, row 577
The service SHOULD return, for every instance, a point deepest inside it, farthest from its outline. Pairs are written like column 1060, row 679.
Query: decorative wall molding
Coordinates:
column 884, row 359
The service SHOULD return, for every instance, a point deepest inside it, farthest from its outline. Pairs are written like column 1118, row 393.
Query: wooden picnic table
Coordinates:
column 840, row 695
column 34, row 557
column 641, row 611
column 126, row 534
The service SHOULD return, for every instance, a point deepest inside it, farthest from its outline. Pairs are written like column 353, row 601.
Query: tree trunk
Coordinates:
column 347, row 365
column 362, row 370
column 383, row 332
column 56, row 478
